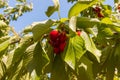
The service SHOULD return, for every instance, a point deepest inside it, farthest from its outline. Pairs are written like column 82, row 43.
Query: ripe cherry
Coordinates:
column 97, row 9
column 62, row 46
column 100, row 15
column 56, row 50
column 58, row 40
column 54, row 35
column 78, row 32
column 62, row 37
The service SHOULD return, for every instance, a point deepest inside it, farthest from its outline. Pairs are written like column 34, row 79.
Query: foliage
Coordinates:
column 91, row 37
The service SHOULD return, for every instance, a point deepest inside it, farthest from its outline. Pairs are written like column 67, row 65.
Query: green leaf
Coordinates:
column 49, row 50
column 90, row 46
column 40, row 28
column 85, row 69
column 108, row 61
column 19, row 51
column 9, row 58
column 2, row 68
column 105, row 56
column 64, row 19
column 78, row 7
column 75, row 51
column 4, row 45
column 3, row 25
column 28, row 29
column 106, row 31
column 116, row 1
column 28, row 56
column 16, row 64
column 52, row 9
column 21, row 0
column 4, row 38
column 39, row 60
column 117, row 54
column 115, row 28
column 110, row 72
column 106, row 21
column 84, row 22
column 58, row 69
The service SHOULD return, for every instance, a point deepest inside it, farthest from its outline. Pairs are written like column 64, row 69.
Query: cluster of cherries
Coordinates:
column 58, row 40
column 97, row 10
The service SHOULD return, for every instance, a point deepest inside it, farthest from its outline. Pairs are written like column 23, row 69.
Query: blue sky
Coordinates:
column 38, row 12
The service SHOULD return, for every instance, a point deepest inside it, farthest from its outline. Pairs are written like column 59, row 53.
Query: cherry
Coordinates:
column 63, row 37
column 100, row 15
column 56, row 50
column 78, row 32
column 58, row 40
column 97, row 9
column 54, row 35
column 62, row 46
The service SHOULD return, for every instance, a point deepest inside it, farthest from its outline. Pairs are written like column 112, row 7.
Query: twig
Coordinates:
column 14, row 32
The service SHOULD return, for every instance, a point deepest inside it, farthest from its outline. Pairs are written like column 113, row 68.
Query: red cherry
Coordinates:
column 62, row 46
column 56, row 43
column 78, row 33
column 62, row 37
column 54, row 35
column 100, row 15
column 97, row 9
column 56, row 50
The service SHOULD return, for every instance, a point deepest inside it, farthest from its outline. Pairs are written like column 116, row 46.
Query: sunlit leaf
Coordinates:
column 4, row 38
column 2, row 68
column 84, row 22
column 4, row 45
column 90, row 46
column 39, row 28
column 115, row 28
column 78, row 7
column 74, row 51
column 28, row 29
column 106, row 21
column 3, row 25
column 19, row 51
column 39, row 60
column 72, row 23
column 21, row 0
